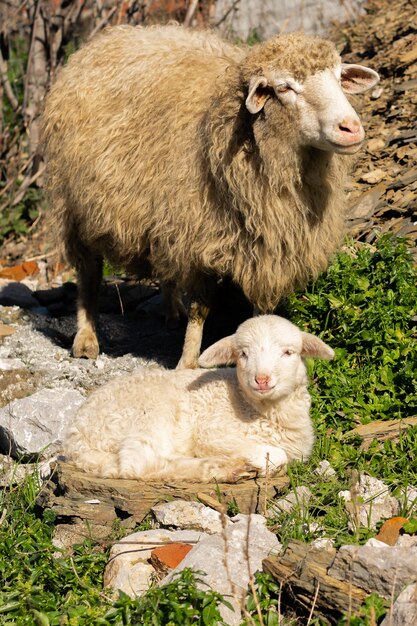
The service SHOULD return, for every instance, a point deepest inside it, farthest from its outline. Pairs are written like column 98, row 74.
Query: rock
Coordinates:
column 294, row 499
column 325, row 470
column 188, row 515
column 302, row 573
column 65, row 536
column 129, row 569
column 322, row 543
column 373, row 177
column 11, row 364
column 16, row 294
column 13, row 473
column 390, row 531
column 242, row 546
column 69, row 488
column 377, row 568
column 369, row 502
column 34, row 424
column 404, row 610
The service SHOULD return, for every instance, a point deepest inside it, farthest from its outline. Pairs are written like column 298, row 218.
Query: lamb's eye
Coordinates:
column 288, row 352
column 243, row 354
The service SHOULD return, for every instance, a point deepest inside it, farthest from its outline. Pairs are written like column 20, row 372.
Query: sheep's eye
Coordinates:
column 243, row 354
column 288, row 352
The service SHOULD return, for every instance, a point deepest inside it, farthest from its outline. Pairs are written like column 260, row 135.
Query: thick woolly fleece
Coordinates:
column 204, row 424
column 155, row 162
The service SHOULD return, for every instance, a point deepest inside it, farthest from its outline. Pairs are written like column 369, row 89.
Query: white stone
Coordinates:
column 11, row 364
column 36, row 424
column 243, row 547
column 404, row 610
column 297, row 499
column 369, row 502
column 128, row 568
column 189, row 515
column 325, row 470
column 322, row 543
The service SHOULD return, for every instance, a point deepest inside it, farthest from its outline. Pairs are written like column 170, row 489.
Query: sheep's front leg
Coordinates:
column 263, row 456
column 89, row 279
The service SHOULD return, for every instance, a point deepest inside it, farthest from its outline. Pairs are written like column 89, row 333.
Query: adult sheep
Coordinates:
column 175, row 153
column 199, row 425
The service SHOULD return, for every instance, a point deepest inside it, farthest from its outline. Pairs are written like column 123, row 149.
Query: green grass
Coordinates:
column 363, row 307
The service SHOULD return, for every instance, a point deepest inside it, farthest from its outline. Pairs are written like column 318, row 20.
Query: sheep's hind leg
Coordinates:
column 205, row 470
column 89, row 278
column 205, row 290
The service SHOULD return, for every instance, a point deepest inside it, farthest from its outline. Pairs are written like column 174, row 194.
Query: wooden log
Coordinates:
column 302, row 575
column 381, row 430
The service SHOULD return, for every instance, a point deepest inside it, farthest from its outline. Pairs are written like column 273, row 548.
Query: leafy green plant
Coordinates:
column 363, row 307
column 181, row 601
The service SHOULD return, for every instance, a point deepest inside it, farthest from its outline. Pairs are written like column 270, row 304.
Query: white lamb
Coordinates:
column 201, row 424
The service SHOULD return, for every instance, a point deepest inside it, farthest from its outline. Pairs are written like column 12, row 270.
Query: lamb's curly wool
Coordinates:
column 204, row 424
column 155, row 163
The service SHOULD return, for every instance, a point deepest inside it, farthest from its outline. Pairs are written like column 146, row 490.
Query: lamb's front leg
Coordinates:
column 263, row 456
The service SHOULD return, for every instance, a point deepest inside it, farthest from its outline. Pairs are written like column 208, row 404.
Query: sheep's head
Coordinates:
column 306, row 76
column 269, row 355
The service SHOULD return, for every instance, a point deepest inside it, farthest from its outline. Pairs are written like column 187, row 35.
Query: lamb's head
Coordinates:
column 305, row 77
column 269, row 355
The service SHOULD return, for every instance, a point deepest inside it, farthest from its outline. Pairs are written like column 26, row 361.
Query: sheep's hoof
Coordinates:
column 242, row 472
column 85, row 345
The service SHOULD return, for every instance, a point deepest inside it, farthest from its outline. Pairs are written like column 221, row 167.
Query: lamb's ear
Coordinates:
column 222, row 352
column 258, row 94
column 357, row 78
column 315, row 348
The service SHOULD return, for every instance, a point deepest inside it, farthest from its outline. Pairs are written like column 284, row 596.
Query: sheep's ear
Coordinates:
column 315, row 348
column 258, row 94
column 357, row 78
column 220, row 353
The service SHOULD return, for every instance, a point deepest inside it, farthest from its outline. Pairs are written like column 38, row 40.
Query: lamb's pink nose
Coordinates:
column 262, row 381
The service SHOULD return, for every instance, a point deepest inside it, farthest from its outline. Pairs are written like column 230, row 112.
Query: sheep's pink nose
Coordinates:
column 262, row 380
column 350, row 125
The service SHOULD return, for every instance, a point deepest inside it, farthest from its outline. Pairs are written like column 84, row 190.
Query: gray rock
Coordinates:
column 380, row 568
column 11, row 364
column 325, row 470
column 297, row 499
column 13, row 293
column 65, row 536
column 13, row 473
column 404, row 610
column 32, row 425
column 128, row 568
column 242, row 547
column 369, row 502
column 189, row 515
column 269, row 17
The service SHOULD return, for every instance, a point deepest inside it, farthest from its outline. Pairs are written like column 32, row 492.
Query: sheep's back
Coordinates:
column 120, row 132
